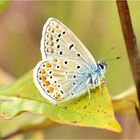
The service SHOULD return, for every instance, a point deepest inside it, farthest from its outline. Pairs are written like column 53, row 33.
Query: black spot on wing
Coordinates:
column 71, row 46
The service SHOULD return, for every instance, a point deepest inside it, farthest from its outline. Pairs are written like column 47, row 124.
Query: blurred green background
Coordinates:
column 96, row 24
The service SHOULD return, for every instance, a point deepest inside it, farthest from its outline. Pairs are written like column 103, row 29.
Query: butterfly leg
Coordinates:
column 100, row 86
column 88, row 88
column 103, row 81
column 101, row 89
column 89, row 97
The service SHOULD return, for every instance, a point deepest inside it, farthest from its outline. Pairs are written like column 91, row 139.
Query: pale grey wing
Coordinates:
column 58, row 40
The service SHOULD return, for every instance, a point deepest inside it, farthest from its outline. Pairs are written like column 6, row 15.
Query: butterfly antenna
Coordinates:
column 108, row 51
column 116, row 58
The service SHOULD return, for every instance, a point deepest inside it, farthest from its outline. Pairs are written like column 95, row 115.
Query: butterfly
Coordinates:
column 67, row 69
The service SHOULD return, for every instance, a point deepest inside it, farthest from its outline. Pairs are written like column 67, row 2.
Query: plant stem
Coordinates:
column 131, row 44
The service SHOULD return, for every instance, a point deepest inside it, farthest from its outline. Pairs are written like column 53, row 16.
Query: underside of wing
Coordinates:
column 57, row 39
column 60, row 79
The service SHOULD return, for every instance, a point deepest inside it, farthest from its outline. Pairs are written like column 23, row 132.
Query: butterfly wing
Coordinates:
column 63, row 72
column 60, row 79
column 57, row 39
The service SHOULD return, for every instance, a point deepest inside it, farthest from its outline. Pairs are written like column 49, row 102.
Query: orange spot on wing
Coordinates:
column 47, row 83
column 43, row 71
column 57, row 96
column 43, row 78
column 48, row 65
column 50, row 50
column 50, row 89
column 54, row 60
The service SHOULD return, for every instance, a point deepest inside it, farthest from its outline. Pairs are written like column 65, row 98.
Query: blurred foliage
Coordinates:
column 125, row 102
column 3, row 4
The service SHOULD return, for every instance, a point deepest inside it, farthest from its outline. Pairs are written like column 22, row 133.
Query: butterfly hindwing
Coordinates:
column 60, row 79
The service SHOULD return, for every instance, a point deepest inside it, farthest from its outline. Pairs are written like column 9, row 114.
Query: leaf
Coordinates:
column 3, row 4
column 23, row 96
column 125, row 102
column 23, row 123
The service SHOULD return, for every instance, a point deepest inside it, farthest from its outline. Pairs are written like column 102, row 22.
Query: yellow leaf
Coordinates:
column 23, row 96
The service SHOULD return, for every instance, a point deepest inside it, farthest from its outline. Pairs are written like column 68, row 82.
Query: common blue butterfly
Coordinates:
column 67, row 69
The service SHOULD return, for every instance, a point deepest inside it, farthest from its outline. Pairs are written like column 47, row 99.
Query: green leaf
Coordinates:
column 3, row 4
column 124, row 104
column 23, row 96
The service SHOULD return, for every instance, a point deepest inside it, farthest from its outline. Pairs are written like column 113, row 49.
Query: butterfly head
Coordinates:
column 102, row 66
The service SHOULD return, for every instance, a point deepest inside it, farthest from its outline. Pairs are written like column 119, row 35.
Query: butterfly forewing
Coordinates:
column 58, row 40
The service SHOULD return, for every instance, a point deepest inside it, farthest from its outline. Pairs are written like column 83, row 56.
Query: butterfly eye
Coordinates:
column 101, row 66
